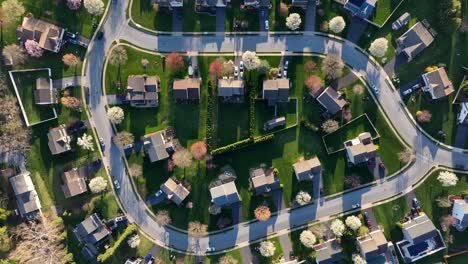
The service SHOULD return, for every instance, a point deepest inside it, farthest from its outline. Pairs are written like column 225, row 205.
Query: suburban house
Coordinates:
column 48, row 35
column 27, row 200
column 157, row 146
column 360, row 149
column 302, row 3
column 276, row 90
column 263, row 180
column 414, row 41
column 316, row 90
column 275, row 122
column 460, row 214
column 91, row 233
column 257, row 3
column 421, row 239
column 462, row 117
column 331, row 100
column 186, row 89
column 174, row 191
column 373, row 245
column 231, row 90
column 437, row 83
column 361, row 8
column 44, row 94
column 328, row 252
column 168, row 3
column 142, row 91
column 59, row 140
column 74, row 182
column 225, row 194
column 210, row 3
column 305, row 170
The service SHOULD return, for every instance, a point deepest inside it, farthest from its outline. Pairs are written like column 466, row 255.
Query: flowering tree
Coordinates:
column 182, row 158
column 97, row 184
column 262, row 213
column 447, row 178
column 307, row 238
column 71, row 102
column 175, row 62
column 406, row 155
column 123, row 139
column 227, row 259
column 216, row 69
column 163, row 217
column 214, row 209
column 357, row 259
column 303, row 198
column 86, row 142
column 251, row 61
column 118, row 56
column 324, row 26
column 94, row 7
column 332, row 66
column 70, row 59
column 310, row 66
column 337, row 24
column 293, row 21
column 424, row 116
column 144, row 62
column 337, row 227
column 115, row 114
column 379, row 47
column 33, row 49
column 11, row 11
column 313, row 83
column 198, row 150
column 134, row 241
column 353, row 222
column 273, row 72
column 228, row 67
column 267, row 249
column 74, row 4
column 330, row 126
column 15, row 54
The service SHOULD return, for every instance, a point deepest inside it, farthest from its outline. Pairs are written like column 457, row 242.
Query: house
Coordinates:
column 91, row 231
column 462, row 117
column 421, row 239
column 414, row 41
column 157, row 146
column 302, row 3
column 263, row 181
column 186, row 89
column 74, row 182
column 331, row 100
column 27, row 199
column 276, row 90
column 460, row 214
column 275, row 122
column 257, row 3
column 44, row 94
column 360, row 149
column 225, row 194
column 174, row 191
column 361, row 8
column 372, row 245
column 328, row 252
column 437, row 83
column 231, row 89
column 59, row 140
column 142, row 91
column 168, row 3
column 48, row 35
column 211, row 3
column 306, row 169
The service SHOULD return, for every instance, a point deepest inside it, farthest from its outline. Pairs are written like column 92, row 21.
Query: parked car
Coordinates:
column 190, row 70
column 416, row 86
column 101, row 142
column 407, row 92
column 416, row 203
column 241, row 75
column 158, row 193
column 285, row 73
column 286, row 65
column 241, row 66
column 355, row 206
column 236, row 71
column 376, row 90
column 210, row 249
column 267, row 27
column 190, row 61
column 401, row 21
column 279, row 74
column 70, row 35
column 117, row 184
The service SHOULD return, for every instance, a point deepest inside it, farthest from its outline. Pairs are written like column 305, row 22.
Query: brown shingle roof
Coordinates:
column 74, row 182
column 438, row 83
column 186, row 89
column 48, row 35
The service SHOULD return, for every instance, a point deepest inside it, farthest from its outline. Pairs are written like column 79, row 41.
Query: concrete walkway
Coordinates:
column 286, row 246
column 247, row 257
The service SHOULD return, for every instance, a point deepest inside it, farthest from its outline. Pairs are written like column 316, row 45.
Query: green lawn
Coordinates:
column 264, row 113
column 232, row 123
column 197, row 22
column 383, row 10
column 389, row 214
column 332, row 9
column 144, row 14
column 278, row 22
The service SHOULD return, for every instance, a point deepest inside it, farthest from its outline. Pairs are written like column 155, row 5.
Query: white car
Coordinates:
column 117, row 184
column 286, row 65
column 285, row 73
column 158, row 193
column 236, row 71
column 267, row 27
column 210, row 249
column 241, row 75
column 241, row 65
column 407, row 91
column 355, row 206
column 190, row 70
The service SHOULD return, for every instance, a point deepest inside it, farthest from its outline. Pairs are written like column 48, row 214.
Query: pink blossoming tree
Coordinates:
column 33, row 49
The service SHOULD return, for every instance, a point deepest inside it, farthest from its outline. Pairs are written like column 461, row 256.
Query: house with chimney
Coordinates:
column 225, row 194
column 414, row 41
column 263, row 180
column 174, row 191
column 331, row 100
column 157, row 146
column 59, row 140
column 305, row 170
column 437, row 84
column 47, row 35
column 27, row 200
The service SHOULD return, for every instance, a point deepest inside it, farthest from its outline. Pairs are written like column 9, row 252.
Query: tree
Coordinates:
column 71, row 102
column 310, row 67
column 293, row 21
column 197, row 229
column 357, row 259
column 337, row 24
column 182, row 158
column 449, row 15
column 163, row 218
column 332, row 66
column 273, row 72
column 3, row 212
column 70, row 59
column 307, row 238
column 216, row 69
column 11, row 11
column 86, row 142
column 94, row 7
column 283, row 9
column 115, row 114
column 118, row 56
column 324, row 26
column 267, row 249
column 358, row 89
column 353, row 222
column 406, row 155
column 313, row 83
column 174, row 62
column 33, row 49
column 123, row 139
column 214, row 209
column 228, row 68
column 136, row 170
column 379, row 47
column 330, row 126
column 15, row 54
column 14, row 136
column 447, row 178
column 227, row 259
column 74, row 4
column 352, row 181
column 250, row 59
column 443, row 202
column 134, row 241
column 199, row 150
column 264, row 67
column 5, row 241
column 97, row 184
column 424, row 116
column 337, row 227
column 262, row 213
column 303, row 198
column 362, row 231
column 144, row 62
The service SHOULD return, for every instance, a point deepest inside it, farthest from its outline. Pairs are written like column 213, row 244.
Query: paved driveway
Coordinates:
column 220, row 20
column 410, row 85
column 262, row 16
column 461, row 136
column 153, row 199
column 356, row 29
column 177, row 19
column 310, row 16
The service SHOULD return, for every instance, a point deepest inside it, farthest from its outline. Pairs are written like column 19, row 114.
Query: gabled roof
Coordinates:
column 372, row 244
column 44, row 93
column 25, row 192
column 328, row 252
column 186, row 89
column 263, row 180
column 175, row 192
column 304, row 168
column 74, row 182
column 460, row 211
column 155, row 146
column 415, row 40
column 225, row 194
column 59, row 140
column 361, row 148
column 230, row 87
column 438, row 83
column 331, row 100
column 48, row 35
column 419, row 229
column 91, row 230
column 276, row 89
column 361, row 8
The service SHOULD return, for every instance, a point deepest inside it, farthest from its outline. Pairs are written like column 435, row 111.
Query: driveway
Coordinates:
column 356, row 29
column 153, row 199
column 262, row 16
column 310, row 16
column 391, row 66
column 114, row 99
column 461, row 136
column 220, row 20
column 67, row 82
column 410, row 85
column 177, row 19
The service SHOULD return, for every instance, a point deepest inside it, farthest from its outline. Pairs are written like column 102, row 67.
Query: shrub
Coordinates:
column 241, row 144
column 110, row 251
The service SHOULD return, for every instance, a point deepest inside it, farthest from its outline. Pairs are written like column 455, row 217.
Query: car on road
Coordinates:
column 376, row 90
column 210, row 249
column 116, row 184
column 236, row 71
column 267, row 27
column 356, row 205
column 286, row 65
column 101, row 142
column 407, row 92
column 241, row 66
column 158, row 193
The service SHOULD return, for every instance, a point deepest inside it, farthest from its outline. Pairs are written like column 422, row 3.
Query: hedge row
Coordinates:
column 110, row 251
column 252, row 122
column 241, row 144
column 209, row 118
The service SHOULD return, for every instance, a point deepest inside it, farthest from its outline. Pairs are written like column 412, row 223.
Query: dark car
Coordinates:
column 100, row 34
column 70, row 35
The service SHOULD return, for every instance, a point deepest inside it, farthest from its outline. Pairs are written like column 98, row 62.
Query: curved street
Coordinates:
column 428, row 153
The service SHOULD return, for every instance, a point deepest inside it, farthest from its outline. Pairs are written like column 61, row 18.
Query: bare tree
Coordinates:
column 14, row 136
column 406, row 155
column 332, row 66
column 310, row 67
column 16, row 54
column 163, row 217
column 182, row 158
column 424, row 116
column 135, row 170
column 197, row 229
column 123, row 139
column 70, row 59
column 118, row 57
column 262, row 213
column 352, row 181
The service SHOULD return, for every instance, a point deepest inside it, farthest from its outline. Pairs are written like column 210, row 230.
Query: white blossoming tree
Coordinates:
column 337, row 24
column 307, row 238
column 251, row 60
column 97, row 184
column 134, row 241
column 94, row 7
column 293, row 21
column 267, row 249
column 86, row 142
column 115, row 114
column 357, row 259
column 303, row 198
column 353, row 222
column 338, row 228
column 379, row 47
column 447, row 178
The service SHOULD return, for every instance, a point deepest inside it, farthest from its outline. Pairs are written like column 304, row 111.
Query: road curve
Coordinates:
column 116, row 28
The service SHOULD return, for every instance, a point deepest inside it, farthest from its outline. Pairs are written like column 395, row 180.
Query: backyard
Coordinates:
column 144, row 14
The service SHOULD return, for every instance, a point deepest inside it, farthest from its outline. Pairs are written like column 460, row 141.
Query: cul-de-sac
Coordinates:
column 233, row 131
